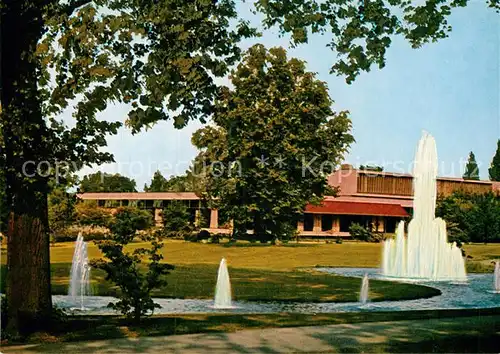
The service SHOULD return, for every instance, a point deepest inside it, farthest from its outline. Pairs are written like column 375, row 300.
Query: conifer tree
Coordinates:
column 494, row 169
column 471, row 169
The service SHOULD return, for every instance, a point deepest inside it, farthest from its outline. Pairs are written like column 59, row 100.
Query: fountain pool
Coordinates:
column 476, row 293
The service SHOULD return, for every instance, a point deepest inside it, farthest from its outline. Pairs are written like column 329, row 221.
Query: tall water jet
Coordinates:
column 79, row 285
column 425, row 252
column 363, row 294
column 223, row 288
column 497, row 276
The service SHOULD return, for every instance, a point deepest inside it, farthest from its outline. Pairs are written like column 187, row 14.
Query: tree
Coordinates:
column 188, row 182
column 471, row 169
column 61, row 209
column 276, row 138
column 494, row 169
column 126, row 269
column 471, row 217
column 177, row 219
column 158, row 183
column 105, row 182
column 158, row 56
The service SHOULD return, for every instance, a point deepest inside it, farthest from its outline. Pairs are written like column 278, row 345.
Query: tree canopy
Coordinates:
column 105, row 182
column 471, row 169
column 361, row 32
column 274, row 141
column 494, row 169
column 188, row 182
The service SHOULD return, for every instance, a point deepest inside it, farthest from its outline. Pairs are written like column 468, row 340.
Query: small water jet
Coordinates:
column 425, row 253
column 223, row 289
column 497, row 277
column 79, row 285
column 363, row 294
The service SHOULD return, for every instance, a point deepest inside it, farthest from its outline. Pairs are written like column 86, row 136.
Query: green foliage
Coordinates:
column 274, row 141
column 176, row 219
column 158, row 183
column 494, row 169
column 471, row 217
column 127, row 220
column 371, row 168
column 61, row 209
column 70, row 233
column 105, row 182
column 126, row 269
column 359, row 232
column 361, row 32
column 471, row 169
column 189, row 182
column 89, row 213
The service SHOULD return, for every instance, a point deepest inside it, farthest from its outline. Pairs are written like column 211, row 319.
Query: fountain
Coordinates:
column 497, row 277
column 223, row 288
column 363, row 294
column 79, row 285
column 425, row 253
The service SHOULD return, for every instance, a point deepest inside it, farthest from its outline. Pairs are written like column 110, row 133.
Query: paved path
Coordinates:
column 438, row 335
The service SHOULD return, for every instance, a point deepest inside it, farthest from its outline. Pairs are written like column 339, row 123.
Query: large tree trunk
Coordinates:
column 25, row 136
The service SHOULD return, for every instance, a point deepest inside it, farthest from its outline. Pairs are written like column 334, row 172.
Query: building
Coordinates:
column 374, row 199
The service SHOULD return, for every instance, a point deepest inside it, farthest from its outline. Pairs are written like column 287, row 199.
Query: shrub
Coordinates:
column 471, row 217
column 89, row 213
column 89, row 233
column 361, row 233
column 135, row 279
column 176, row 220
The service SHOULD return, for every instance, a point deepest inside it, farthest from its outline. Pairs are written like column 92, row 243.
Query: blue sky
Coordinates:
column 450, row 88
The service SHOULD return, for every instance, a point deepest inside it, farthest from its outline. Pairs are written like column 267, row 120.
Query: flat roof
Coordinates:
column 139, row 196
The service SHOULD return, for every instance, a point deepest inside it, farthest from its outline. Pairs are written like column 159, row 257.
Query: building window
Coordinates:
column 326, row 222
column 390, row 225
column 308, row 222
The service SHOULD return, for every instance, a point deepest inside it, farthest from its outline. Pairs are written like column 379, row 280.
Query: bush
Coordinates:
column 339, row 240
column 176, row 220
column 89, row 213
column 361, row 233
column 89, row 233
column 135, row 279
column 471, row 217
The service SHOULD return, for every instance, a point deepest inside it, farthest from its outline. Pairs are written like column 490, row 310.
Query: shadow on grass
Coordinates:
column 411, row 331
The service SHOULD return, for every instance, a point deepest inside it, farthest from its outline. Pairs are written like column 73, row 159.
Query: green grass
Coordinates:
column 286, row 258
column 197, row 281
column 267, row 272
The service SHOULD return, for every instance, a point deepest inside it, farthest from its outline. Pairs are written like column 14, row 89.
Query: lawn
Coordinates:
column 265, row 272
column 258, row 273
column 283, row 258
